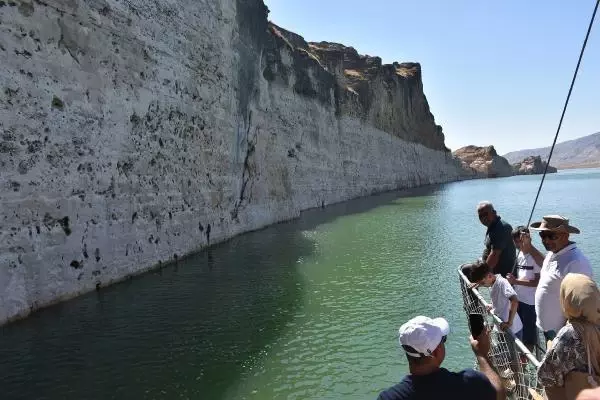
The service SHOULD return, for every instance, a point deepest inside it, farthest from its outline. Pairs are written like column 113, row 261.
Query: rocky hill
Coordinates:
column 485, row 161
column 532, row 165
column 583, row 152
column 134, row 133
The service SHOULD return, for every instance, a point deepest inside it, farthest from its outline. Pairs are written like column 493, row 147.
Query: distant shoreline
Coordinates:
column 579, row 166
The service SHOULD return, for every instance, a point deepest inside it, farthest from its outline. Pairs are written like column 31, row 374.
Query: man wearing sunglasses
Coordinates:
column 423, row 340
column 563, row 257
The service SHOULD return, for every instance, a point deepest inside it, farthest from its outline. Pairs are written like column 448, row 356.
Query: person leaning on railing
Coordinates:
column 499, row 252
column 423, row 340
column 571, row 364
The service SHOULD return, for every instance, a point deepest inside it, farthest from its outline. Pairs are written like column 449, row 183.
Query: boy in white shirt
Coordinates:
column 525, row 282
column 504, row 298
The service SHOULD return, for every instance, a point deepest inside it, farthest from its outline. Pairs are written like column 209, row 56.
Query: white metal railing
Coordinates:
column 520, row 379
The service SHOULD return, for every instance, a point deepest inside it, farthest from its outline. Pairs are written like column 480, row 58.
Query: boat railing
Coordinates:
column 519, row 377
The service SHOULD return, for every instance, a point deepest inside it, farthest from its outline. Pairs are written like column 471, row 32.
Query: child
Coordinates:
column 504, row 297
column 525, row 283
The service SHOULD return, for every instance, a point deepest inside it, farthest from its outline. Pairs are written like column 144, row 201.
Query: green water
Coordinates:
column 301, row 310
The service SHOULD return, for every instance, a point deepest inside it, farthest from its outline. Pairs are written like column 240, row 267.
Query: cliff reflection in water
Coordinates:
column 181, row 332
column 186, row 331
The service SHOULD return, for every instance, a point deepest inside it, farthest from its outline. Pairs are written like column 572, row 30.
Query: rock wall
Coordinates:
column 133, row 133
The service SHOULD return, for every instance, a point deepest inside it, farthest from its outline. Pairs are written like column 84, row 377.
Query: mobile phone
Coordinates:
column 476, row 324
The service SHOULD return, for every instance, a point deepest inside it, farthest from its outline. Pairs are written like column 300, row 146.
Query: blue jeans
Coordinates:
column 519, row 335
column 527, row 314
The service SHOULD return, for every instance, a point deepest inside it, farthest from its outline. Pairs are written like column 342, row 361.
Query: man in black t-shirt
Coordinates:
column 500, row 252
column 423, row 339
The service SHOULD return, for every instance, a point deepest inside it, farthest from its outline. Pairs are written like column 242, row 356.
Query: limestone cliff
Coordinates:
column 133, row 133
column 485, row 161
column 532, row 165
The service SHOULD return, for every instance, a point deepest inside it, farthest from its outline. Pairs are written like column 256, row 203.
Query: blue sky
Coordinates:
column 494, row 72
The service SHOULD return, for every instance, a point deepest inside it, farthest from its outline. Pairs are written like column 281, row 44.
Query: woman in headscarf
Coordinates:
column 575, row 352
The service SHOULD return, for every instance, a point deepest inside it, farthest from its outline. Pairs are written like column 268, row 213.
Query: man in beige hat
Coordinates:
column 563, row 257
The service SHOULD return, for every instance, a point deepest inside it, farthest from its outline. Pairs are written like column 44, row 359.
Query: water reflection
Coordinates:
column 185, row 331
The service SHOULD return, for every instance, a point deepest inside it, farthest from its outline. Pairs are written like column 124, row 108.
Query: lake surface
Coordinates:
column 302, row 310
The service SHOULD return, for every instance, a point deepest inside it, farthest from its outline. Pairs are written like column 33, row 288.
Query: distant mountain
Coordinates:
column 577, row 153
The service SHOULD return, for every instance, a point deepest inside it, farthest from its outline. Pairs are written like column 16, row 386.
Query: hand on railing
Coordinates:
column 505, row 325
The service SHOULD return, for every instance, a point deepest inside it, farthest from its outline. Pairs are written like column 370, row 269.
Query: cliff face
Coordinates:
column 134, row 133
column 485, row 161
column 531, row 166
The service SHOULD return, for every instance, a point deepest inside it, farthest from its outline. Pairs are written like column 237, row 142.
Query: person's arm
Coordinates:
column 493, row 258
column 514, row 304
column 589, row 394
column 523, row 282
column 529, row 248
column 481, row 348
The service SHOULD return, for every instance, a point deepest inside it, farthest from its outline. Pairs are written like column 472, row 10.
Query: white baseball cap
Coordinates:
column 423, row 335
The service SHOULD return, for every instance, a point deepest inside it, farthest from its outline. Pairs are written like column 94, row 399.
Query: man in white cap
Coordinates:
column 563, row 257
column 423, row 339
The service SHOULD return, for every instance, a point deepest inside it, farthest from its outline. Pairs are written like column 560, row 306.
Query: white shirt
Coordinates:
column 500, row 293
column 547, row 296
column 526, row 270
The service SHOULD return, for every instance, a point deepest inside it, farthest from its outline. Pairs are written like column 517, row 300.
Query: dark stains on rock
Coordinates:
column 134, row 217
column 311, row 78
column 85, row 252
column 248, row 170
column 9, row 148
column 124, row 167
column 26, row 165
column 76, row 264
column 64, row 224
column 23, row 53
column 105, row 10
column 26, row 8
column 134, row 119
column 57, row 103
column 14, row 185
column 251, row 18
column 50, row 222
column 34, row 146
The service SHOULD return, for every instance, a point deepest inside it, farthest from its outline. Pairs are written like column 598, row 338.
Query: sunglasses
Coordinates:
column 548, row 235
column 444, row 339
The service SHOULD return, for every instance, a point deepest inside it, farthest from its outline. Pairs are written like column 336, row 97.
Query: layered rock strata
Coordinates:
column 134, row 133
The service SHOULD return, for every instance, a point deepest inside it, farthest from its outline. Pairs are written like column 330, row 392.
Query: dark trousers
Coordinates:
column 527, row 314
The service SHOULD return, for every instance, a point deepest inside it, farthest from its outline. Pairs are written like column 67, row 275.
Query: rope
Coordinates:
column 564, row 110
